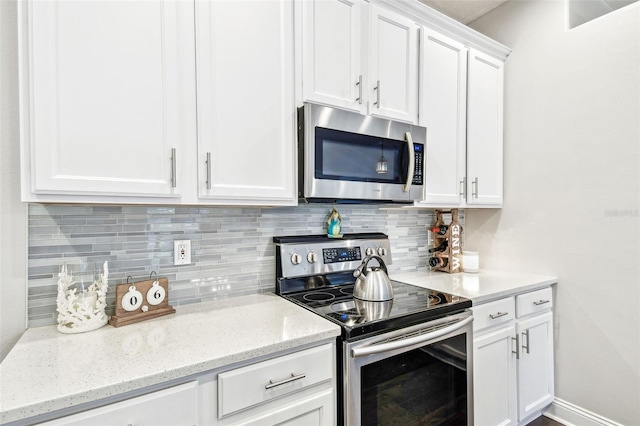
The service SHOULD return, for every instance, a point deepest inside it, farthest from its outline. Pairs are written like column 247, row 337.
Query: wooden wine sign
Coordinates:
column 450, row 259
column 142, row 300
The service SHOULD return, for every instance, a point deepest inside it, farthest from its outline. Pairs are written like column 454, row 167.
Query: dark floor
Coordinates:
column 544, row 421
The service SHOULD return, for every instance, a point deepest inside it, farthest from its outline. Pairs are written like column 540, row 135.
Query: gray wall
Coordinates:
column 232, row 249
column 571, row 202
column 13, row 214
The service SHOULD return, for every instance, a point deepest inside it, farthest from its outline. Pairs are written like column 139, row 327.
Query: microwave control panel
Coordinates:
column 418, row 150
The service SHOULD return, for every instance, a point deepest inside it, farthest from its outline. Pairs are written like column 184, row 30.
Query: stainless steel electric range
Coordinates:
column 403, row 361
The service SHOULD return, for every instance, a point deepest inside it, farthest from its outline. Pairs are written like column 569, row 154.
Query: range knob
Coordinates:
column 369, row 251
column 312, row 257
column 382, row 251
column 296, row 258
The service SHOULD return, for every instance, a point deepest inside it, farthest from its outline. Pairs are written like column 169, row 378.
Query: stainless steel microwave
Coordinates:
column 352, row 158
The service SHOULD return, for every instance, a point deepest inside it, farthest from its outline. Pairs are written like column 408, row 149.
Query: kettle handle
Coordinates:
column 362, row 269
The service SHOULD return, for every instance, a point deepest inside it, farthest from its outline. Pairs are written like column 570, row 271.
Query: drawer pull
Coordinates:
column 498, row 315
column 293, row 378
column 540, row 302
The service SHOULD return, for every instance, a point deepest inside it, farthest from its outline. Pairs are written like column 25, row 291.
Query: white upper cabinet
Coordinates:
column 332, row 53
column 461, row 105
column 246, row 107
column 393, row 63
column 107, row 98
column 109, row 102
column 484, row 129
column 360, row 57
column 443, row 103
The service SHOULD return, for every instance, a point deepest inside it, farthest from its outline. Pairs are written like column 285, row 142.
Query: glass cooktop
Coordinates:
column 331, row 296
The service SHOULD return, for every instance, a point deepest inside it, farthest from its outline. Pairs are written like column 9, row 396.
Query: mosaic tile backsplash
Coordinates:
column 232, row 252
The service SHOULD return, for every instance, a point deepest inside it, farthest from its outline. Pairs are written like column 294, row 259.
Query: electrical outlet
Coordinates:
column 182, row 252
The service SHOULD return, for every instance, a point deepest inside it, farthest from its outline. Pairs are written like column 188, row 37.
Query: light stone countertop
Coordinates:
column 48, row 371
column 480, row 287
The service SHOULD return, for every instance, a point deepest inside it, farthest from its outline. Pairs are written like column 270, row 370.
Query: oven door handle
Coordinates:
column 401, row 343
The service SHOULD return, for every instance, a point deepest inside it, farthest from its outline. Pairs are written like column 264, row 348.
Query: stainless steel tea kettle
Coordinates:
column 372, row 284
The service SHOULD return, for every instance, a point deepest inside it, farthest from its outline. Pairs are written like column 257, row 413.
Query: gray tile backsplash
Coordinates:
column 232, row 249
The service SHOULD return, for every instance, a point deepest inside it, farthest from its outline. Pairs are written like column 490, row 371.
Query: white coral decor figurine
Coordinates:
column 83, row 311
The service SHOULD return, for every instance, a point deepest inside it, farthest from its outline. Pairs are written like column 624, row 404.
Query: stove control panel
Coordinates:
column 311, row 258
column 343, row 254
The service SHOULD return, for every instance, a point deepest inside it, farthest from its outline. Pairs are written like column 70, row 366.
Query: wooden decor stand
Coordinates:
column 142, row 300
column 450, row 259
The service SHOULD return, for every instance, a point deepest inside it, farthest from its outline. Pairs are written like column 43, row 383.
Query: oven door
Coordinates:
column 417, row 375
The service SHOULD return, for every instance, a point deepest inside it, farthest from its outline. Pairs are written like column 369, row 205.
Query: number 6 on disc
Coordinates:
column 156, row 294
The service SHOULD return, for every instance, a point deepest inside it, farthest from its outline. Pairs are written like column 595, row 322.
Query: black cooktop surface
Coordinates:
column 332, row 297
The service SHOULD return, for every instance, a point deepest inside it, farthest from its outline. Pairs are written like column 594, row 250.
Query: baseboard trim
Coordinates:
column 571, row 415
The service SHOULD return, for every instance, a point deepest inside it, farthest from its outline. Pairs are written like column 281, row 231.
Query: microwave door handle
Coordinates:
column 412, row 163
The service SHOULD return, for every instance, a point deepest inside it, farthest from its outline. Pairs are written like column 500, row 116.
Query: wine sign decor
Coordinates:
column 142, row 300
column 447, row 251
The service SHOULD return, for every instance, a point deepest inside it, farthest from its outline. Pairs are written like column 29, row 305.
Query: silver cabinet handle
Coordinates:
column 463, row 187
column 293, row 378
column 173, row 168
column 517, row 351
column 208, row 170
column 525, row 333
column 540, row 302
column 377, row 89
column 412, row 162
column 474, row 188
column 498, row 315
column 359, row 84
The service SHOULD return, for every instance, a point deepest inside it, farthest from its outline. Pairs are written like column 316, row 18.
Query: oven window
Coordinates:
column 423, row 386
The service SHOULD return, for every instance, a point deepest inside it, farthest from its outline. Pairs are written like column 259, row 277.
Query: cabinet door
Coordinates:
column 535, row 367
column 332, row 53
column 246, row 110
column 108, row 93
column 174, row 406
column 443, row 103
column 393, row 77
column 484, row 129
column 494, row 378
column 317, row 409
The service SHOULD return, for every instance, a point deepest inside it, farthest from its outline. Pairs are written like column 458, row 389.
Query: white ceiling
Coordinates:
column 463, row 11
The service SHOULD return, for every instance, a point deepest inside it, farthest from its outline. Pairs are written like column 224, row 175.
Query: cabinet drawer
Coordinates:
column 247, row 386
column 493, row 313
column 536, row 301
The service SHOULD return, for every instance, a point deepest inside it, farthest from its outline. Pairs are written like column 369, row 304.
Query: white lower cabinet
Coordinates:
column 494, row 363
column 535, row 366
column 295, row 389
column 513, row 358
column 291, row 389
column 177, row 405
